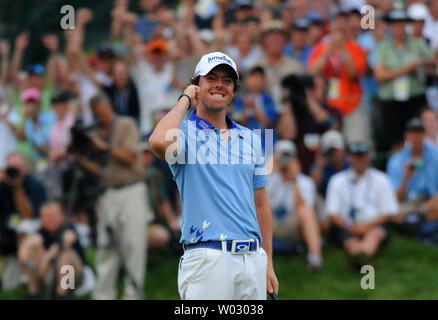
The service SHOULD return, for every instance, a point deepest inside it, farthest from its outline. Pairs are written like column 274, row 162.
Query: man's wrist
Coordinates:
column 188, row 98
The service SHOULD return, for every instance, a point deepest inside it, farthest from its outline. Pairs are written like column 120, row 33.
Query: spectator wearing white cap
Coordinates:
column 360, row 200
column 292, row 197
column 418, row 12
column 330, row 160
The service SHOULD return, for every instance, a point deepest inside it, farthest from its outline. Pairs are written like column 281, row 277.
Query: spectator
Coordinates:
column 316, row 31
column 275, row 63
column 60, row 133
column 122, row 92
column 430, row 121
column 84, row 77
column 21, row 195
column 152, row 73
column 292, row 199
column 398, row 69
column 245, row 52
column 353, row 24
column 306, row 115
column 414, row 173
column 360, row 200
column 298, row 47
column 331, row 160
column 123, row 200
column 165, row 230
column 418, row 13
column 38, row 124
column 342, row 62
column 251, row 27
column 56, row 243
column 256, row 109
column 105, row 65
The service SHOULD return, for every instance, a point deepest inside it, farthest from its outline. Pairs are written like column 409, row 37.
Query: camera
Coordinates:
column 12, row 173
column 80, row 140
column 286, row 157
column 418, row 165
column 296, row 85
column 329, row 153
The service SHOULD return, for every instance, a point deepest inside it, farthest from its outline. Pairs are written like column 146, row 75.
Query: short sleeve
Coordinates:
column 260, row 177
column 333, row 201
column 380, row 54
column 388, row 203
column 130, row 137
column 395, row 172
column 308, row 191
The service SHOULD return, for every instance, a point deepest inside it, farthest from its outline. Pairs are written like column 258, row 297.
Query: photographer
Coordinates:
column 55, row 245
column 292, row 198
column 330, row 159
column 306, row 116
column 21, row 196
column 122, row 208
column 414, row 175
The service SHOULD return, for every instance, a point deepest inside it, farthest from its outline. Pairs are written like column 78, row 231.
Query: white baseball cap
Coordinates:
column 285, row 146
column 332, row 139
column 418, row 12
column 212, row 60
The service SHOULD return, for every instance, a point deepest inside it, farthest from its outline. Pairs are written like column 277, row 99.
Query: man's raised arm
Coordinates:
column 173, row 120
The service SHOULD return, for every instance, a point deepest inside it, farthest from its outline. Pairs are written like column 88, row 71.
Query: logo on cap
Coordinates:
column 218, row 58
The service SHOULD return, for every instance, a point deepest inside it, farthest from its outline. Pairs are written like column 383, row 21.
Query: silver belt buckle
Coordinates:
column 240, row 246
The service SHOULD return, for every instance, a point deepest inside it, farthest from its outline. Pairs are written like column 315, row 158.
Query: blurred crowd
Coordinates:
column 353, row 103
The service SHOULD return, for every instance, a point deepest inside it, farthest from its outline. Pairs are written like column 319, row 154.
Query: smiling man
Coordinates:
column 226, row 219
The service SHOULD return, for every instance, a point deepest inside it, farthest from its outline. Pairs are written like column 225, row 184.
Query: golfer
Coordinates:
column 220, row 172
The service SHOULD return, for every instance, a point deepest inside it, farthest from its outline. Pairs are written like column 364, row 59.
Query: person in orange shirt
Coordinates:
column 342, row 62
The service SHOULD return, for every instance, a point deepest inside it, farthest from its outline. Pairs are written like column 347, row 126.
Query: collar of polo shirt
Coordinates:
column 204, row 124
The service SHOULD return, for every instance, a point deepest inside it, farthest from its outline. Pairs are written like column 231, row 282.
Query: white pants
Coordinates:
column 126, row 213
column 211, row 274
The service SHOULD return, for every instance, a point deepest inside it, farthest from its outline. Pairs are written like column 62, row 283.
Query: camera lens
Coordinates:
column 12, row 172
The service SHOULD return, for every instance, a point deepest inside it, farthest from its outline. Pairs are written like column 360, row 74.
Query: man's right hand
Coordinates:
column 409, row 170
column 193, row 92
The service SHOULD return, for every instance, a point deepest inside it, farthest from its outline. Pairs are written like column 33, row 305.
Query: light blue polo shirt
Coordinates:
column 217, row 180
column 424, row 182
